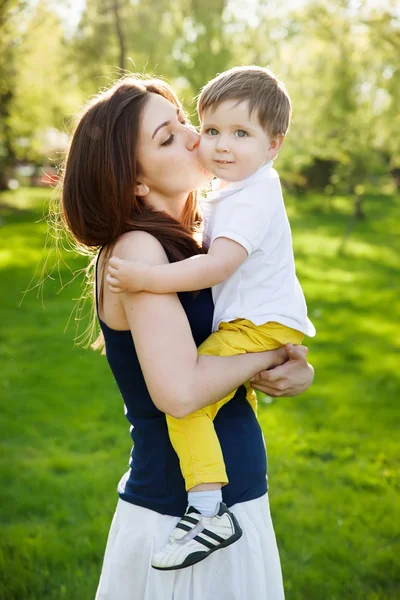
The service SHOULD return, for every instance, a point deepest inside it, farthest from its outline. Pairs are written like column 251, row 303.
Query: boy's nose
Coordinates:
column 221, row 145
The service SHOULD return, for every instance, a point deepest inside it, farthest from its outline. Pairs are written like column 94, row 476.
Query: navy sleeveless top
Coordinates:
column 154, row 479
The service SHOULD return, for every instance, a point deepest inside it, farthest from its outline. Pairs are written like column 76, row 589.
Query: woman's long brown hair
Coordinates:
column 98, row 201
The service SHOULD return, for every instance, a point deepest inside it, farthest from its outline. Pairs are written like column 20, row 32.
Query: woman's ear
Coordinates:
column 141, row 189
column 275, row 146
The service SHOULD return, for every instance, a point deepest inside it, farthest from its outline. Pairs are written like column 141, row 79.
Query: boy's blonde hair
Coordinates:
column 265, row 93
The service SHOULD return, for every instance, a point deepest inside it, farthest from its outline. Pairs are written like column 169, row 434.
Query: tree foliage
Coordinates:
column 339, row 61
column 10, row 26
column 37, row 87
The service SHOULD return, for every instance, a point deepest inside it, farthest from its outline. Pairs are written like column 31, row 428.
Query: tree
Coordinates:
column 184, row 41
column 203, row 48
column 10, row 36
column 43, row 86
column 383, row 61
column 337, row 95
column 120, row 33
column 115, row 35
column 37, row 89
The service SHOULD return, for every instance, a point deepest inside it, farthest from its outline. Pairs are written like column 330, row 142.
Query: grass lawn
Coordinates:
column 333, row 452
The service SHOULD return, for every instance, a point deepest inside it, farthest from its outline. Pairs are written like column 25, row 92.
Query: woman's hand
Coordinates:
column 289, row 379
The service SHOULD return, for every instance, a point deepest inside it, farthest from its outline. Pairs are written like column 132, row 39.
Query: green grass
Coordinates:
column 333, row 452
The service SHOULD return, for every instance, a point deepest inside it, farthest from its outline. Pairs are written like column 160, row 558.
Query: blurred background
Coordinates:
column 334, row 458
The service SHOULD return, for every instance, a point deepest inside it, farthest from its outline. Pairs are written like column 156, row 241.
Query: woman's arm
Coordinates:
column 179, row 381
column 289, row 379
column 224, row 257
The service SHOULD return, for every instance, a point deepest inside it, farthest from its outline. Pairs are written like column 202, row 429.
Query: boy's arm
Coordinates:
column 224, row 257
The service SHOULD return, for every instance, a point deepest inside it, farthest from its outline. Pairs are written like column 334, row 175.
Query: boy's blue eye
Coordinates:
column 241, row 133
column 212, row 131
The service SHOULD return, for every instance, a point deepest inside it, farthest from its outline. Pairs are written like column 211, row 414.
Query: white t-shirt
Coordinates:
column 265, row 287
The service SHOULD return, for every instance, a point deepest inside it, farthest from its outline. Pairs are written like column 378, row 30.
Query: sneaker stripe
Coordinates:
column 213, row 535
column 209, row 545
column 183, row 526
column 190, row 519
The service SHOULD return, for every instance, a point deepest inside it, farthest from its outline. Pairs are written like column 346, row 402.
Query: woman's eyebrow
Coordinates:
column 163, row 125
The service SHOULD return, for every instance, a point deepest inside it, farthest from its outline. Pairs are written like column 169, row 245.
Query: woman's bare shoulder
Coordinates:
column 133, row 245
column 140, row 245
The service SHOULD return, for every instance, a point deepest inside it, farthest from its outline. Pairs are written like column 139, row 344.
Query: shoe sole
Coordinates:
column 197, row 557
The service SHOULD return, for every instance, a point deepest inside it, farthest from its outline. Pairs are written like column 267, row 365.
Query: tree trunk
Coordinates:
column 120, row 33
column 358, row 215
column 8, row 158
column 358, row 208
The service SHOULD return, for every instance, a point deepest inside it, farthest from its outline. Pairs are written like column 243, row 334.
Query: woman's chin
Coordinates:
column 202, row 179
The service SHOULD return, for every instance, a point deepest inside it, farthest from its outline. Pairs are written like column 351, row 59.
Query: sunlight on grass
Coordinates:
column 28, row 198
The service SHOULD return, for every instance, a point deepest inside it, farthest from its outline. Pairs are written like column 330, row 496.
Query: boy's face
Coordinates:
column 233, row 144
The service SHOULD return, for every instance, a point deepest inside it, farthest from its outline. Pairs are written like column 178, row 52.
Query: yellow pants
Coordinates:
column 193, row 437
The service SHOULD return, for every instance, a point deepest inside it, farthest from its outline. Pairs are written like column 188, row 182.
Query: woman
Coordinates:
column 128, row 188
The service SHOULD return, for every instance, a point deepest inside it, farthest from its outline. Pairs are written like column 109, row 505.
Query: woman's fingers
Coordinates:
column 289, row 379
column 296, row 352
column 270, row 390
column 274, row 374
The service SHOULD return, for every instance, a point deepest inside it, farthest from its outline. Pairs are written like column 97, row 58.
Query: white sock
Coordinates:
column 206, row 502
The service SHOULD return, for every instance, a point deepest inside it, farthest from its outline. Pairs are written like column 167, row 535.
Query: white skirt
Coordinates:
column 247, row 570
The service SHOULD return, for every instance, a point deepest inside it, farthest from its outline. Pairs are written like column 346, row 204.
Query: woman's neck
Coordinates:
column 173, row 206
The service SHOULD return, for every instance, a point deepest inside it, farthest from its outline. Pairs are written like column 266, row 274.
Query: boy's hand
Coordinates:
column 126, row 275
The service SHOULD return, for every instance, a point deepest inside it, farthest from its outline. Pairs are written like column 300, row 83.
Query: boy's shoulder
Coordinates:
column 267, row 182
column 268, row 173
column 265, row 178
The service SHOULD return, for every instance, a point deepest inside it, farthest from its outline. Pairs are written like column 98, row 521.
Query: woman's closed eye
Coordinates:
column 183, row 121
column 169, row 140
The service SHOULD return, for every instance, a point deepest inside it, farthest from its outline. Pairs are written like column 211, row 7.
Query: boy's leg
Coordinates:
column 198, row 448
column 201, row 459
column 193, row 437
column 199, row 451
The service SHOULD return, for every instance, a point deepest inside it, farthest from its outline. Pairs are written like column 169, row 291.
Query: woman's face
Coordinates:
column 168, row 155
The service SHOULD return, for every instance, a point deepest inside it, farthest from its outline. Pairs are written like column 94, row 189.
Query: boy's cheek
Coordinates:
column 203, row 141
column 205, row 150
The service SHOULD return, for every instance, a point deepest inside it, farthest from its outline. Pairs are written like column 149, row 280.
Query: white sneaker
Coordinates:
column 197, row 536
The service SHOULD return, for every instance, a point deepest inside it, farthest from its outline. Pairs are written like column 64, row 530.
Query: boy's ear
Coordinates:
column 141, row 189
column 275, row 146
